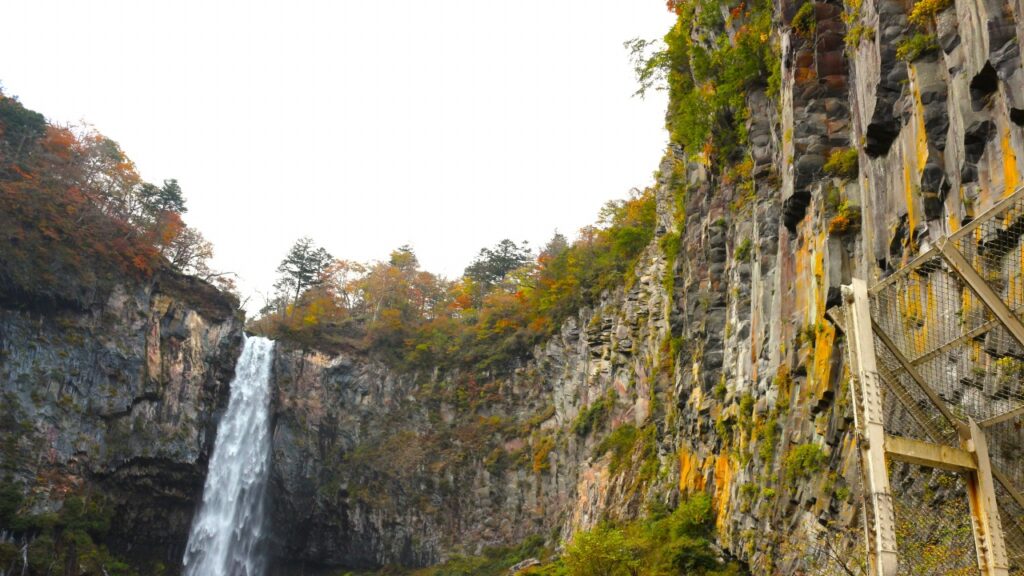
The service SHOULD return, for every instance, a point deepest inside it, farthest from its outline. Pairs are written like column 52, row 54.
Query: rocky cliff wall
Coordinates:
column 716, row 368
column 374, row 467
column 116, row 403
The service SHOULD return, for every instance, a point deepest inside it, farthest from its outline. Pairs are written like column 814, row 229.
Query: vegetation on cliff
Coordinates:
column 507, row 300
column 712, row 57
column 76, row 217
column 67, row 541
column 665, row 543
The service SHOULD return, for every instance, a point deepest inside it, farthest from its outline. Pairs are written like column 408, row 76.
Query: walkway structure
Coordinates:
column 937, row 380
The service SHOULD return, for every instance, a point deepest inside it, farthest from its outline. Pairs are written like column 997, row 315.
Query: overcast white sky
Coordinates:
column 444, row 124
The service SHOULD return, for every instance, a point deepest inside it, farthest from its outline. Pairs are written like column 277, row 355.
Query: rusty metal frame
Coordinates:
column 971, row 460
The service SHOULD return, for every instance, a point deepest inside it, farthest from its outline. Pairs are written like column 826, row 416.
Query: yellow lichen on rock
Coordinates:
column 723, row 483
column 1011, row 175
column 921, row 139
column 822, row 370
column 691, row 477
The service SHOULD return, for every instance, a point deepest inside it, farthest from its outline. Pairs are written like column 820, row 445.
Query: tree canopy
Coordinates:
column 72, row 195
column 506, row 301
column 492, row 264
column 302, row 267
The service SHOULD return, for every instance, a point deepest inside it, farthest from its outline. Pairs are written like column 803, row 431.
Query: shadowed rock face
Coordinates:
column 120, row 401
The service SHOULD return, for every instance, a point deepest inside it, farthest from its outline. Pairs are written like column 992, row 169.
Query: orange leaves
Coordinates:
column 20, row 172
column 142, row 264
column 59, row 141
column 167, row 227
column 52, row 202
column 484, row 321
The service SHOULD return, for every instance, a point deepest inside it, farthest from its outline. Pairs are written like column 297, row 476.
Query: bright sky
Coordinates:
column 444, row 124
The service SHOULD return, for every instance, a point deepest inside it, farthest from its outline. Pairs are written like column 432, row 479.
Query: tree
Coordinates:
column 20, row 128
column 602, row 551
column 492, row 265
column 167, row 198
column 189, row 252
column 404, row 258
column 554, row 248
column 302, row 268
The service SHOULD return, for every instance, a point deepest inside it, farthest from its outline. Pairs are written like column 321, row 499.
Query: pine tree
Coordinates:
column 302, row 268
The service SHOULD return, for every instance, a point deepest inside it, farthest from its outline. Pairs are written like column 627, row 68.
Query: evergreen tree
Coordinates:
column 491, row 266
column 302, row 268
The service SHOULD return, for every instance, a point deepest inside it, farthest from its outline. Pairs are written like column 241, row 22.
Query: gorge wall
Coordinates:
column 715, row 368
column 116, row 403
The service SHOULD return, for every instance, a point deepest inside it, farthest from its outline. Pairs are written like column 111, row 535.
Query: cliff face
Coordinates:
column 714, row 369
column 116, row 403
column 374, row 467
column 717, row 368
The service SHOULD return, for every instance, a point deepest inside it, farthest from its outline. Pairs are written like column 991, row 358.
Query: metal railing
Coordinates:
column 941, row 342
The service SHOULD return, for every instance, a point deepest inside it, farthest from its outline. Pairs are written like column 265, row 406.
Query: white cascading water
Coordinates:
column 227, row 530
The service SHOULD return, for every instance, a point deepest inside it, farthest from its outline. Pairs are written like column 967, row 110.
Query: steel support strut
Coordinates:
column 988, row 531
column 884, row 560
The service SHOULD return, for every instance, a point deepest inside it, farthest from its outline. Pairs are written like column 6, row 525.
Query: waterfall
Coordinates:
column 229, row 525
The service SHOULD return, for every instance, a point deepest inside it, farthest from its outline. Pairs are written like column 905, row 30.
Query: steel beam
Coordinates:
column 970, row 335
column 929, row 454
column 1010, row 415
column 893, row 383
column 988, row 531
column 1008, row 485
column 940, row 405
column 977, row 284
column 885, row 561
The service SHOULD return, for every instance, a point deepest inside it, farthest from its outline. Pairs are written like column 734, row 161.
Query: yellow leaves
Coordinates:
column 924, row 11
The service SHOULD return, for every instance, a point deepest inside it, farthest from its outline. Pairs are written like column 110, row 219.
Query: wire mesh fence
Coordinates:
column 933, row 526
column 1012, row 518
column 945, row 357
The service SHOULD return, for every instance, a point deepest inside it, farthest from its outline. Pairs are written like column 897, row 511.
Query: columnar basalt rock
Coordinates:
column 714, row 368
column 719, row 352
column 119, row 402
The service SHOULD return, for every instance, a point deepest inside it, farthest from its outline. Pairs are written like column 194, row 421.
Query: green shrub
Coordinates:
column 846, row 220
column 767, row 435
column 493, row 561
column 620, row 443
column 10, row 501
column 746, row 416
column 805, row 21
column 720, row 390
column 925, row 10
column 803, row 461
column 910, row 49
column 842, row 163
column 594, row 415
column 708, row 80
column 743, row 250
column 859, row 33
column 21, row 127
column 602, row 551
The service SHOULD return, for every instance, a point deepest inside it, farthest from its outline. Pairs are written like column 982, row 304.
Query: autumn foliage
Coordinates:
column 75, row 217
column 489, row 319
